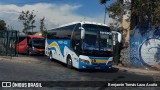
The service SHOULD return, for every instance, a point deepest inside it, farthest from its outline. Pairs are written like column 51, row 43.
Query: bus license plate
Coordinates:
column 97, row 67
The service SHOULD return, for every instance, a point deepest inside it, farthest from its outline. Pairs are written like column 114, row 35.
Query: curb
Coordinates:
column 18, row 60
column 138, row 70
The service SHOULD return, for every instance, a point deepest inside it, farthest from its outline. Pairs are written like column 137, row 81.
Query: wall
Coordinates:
column 145, row 46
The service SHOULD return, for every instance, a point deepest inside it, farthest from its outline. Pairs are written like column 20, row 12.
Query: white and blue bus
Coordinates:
column 83, row 45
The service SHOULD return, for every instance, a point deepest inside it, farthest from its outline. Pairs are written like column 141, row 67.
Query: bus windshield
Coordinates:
column 97, row 38
column 105, row 38
column 38, row 42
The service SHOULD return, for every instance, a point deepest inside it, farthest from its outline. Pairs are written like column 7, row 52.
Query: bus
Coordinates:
column 31, row 44
column 82, row 45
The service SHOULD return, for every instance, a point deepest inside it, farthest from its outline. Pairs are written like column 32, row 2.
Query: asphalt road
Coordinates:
column 45, row 70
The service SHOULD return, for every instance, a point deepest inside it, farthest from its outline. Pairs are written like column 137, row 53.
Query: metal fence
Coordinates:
column 8, row 40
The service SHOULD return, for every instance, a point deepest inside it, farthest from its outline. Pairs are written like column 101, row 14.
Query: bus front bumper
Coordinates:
column 100, row 67
column 38, row 52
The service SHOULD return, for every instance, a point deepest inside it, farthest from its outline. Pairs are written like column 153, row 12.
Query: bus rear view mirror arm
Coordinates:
column 82, row 33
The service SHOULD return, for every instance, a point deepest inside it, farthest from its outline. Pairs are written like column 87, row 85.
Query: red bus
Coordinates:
column 31, row 44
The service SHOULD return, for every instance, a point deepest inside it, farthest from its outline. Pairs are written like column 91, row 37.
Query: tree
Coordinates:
column 115, row 11
column 145, row 12
column 2, row 25
column 142, row 11
column 27, row 18
column 42, row 27
column 103, row 2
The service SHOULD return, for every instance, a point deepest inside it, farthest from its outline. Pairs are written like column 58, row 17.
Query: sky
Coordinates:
column 56, row 12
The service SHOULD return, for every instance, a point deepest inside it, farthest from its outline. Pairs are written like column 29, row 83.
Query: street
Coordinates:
column 42, row 69
column 52, row 70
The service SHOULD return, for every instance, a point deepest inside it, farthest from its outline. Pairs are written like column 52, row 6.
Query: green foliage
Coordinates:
column 103, row 1
column 148, row 11
column 2, row 25
column 27, row 18
column 116, row 10
column 143, row 11
column 157, row 16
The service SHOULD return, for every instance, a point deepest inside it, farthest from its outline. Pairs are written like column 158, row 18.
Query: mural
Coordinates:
column 145, row 46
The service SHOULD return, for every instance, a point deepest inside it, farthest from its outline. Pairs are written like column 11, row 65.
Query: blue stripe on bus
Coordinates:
column 61, row 44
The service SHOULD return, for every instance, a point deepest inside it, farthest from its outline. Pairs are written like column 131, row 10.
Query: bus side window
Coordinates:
column 51, row 35
column 21, row 39
column 77, row 32
column 29, row 41
column 76, row 38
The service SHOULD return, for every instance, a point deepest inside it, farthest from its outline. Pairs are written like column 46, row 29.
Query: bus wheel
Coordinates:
column 29, row 52
column 50, row 56
column 69, row 62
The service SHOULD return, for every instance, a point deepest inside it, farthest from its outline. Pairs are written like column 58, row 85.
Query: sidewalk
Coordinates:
column 142, row 71
column 120, row 67
column 20, row 59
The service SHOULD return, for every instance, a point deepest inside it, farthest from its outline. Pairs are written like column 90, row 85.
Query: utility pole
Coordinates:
column 105, row 13
column 104, row 3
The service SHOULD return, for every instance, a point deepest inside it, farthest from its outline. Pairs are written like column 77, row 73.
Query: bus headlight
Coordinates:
column 110, row 62
column 85, row 61
column 33, row 48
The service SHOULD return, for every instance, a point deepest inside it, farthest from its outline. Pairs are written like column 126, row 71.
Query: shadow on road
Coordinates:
column 23, row 54
column 112, row 70
column 46, row 59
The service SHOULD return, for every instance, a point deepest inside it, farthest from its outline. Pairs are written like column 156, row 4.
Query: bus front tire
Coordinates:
column 50, row 56
column 29, row 52
column 69, row 62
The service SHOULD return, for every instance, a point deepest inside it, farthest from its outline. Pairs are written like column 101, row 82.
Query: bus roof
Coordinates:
column 31, row 36
column 81, row 22
column 35, row 36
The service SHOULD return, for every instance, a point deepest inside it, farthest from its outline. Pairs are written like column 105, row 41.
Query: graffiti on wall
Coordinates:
column 145, row 46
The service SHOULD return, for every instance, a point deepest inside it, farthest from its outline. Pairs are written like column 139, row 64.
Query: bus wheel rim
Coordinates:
column 50, row 56
column 30, row 53
column 69, row 62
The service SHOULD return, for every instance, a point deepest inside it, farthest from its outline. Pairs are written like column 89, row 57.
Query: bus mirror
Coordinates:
column 82, row 33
